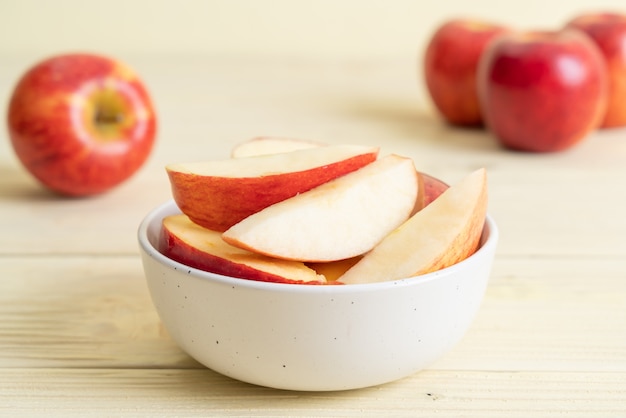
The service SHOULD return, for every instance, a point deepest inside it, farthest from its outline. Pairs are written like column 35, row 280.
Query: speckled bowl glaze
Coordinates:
column 311, row 337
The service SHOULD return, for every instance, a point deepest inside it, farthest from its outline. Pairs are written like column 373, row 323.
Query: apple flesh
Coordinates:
column 332, row 270
column 542, row 91
column 608, row 32
column 262, row 145
column 81, row 123
column 218, row 194
column 442, row 234
column 450, row 64
column 340, row 219
column 188, row 243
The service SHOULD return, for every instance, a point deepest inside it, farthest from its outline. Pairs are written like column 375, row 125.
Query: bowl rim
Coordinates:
column 489, row 240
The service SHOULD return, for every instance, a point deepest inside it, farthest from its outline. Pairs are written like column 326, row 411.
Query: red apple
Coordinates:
column 608, row 31
column 450, row 64
column 186, row 242
column 219, row 193
column 81, row 123
column 542, row 91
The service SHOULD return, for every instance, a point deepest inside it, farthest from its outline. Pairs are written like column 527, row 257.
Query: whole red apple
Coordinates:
column 81, row 123
column 450, row 63
column 608, row 31
column 542, row 91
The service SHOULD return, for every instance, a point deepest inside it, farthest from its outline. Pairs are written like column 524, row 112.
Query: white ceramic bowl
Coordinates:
column 311, row 337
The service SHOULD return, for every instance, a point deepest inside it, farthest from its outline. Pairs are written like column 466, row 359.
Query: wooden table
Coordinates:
column 79, row 335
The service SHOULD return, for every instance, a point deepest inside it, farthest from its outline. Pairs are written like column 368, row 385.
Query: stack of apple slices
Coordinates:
column 291, row 211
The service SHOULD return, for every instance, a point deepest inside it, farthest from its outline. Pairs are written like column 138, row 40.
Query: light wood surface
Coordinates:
column 80, row 337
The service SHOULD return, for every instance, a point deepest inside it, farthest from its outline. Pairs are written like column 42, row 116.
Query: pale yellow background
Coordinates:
column 335, row 28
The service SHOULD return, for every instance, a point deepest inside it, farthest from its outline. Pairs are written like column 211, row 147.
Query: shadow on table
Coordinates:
column 17, row 184
column 215, row 388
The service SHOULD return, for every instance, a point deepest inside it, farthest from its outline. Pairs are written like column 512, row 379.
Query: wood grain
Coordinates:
column 79, row 335
column 164, row 392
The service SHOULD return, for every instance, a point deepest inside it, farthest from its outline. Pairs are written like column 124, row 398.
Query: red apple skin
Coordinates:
column 433, row 187
column 81, row 123
column 429, row 189
column 542, row 91
column 450, row 64
column 608, row 32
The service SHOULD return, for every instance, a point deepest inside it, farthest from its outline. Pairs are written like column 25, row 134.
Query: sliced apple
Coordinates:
column 263, row 145
column 429, row 189
column 433, row 188
column 443, row 233
column 342, row 218
column 218, row 194
column 332, row 270
column 188, row 243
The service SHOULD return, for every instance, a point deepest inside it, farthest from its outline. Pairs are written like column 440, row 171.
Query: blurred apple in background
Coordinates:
column 542, row 91
column 608, row 31
column 450, row 65
column 81, row 123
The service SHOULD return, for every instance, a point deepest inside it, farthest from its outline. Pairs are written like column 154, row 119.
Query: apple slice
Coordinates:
column 429, row 189
column 218, row 194
column 340, row 219
column 186, row 242
column 445, row 232
column 263, row 145
column 332, row 270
